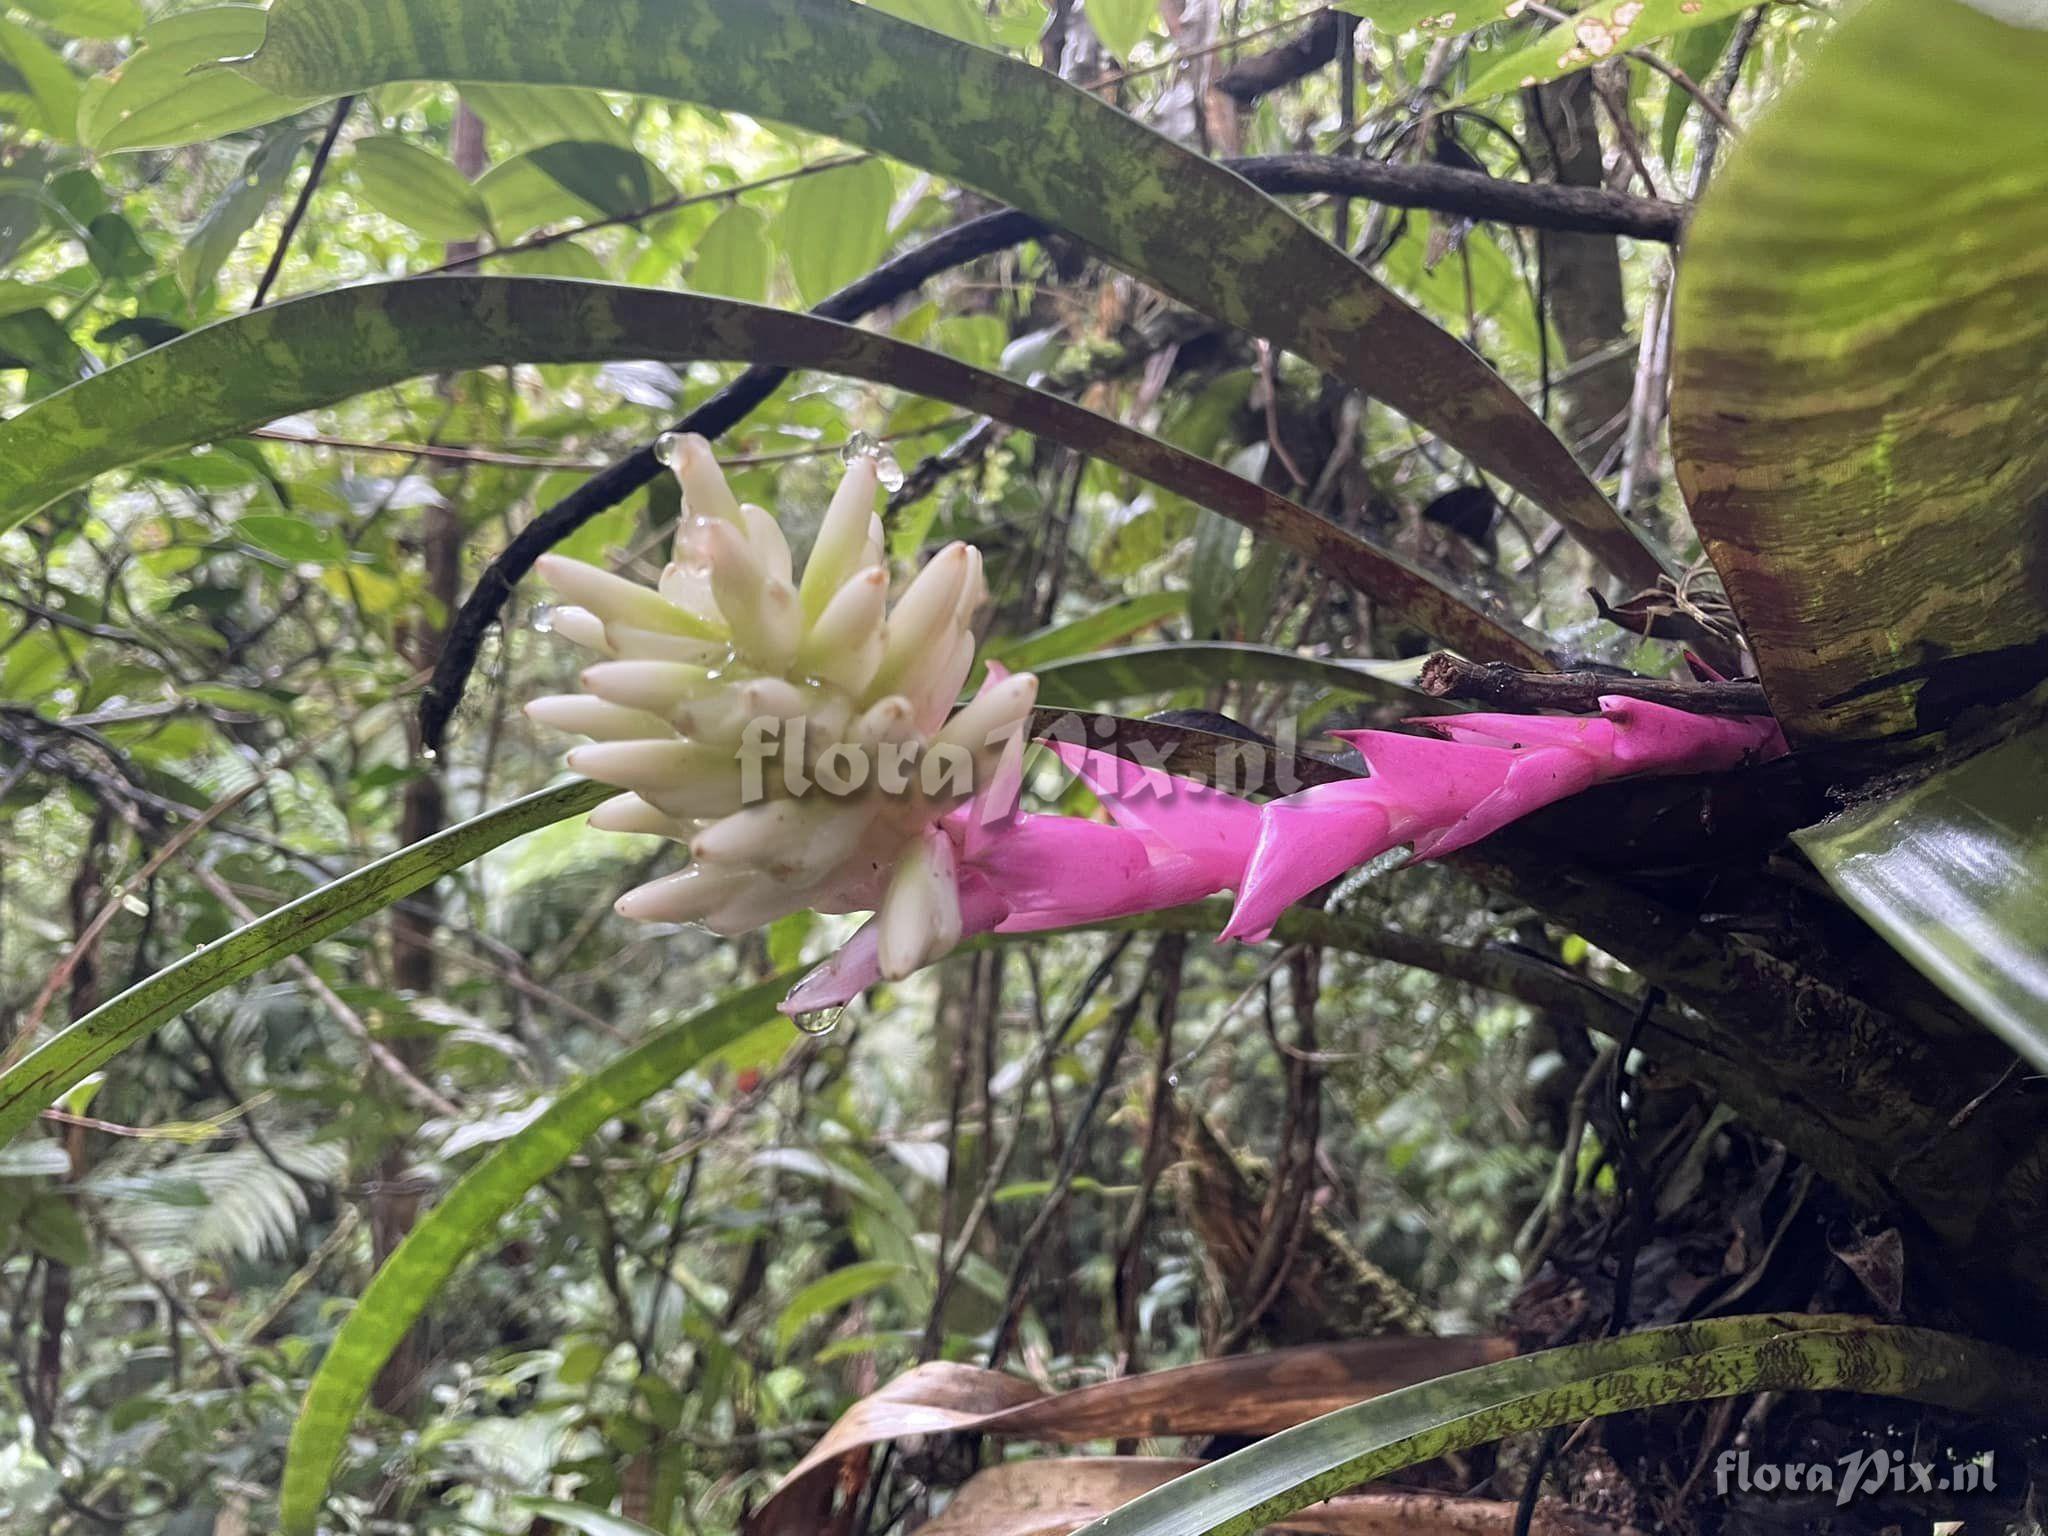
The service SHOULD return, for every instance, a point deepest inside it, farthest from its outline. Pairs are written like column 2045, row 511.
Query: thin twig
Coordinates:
column 303, row 201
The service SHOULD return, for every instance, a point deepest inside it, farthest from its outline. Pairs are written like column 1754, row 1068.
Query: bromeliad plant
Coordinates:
column 787, row 734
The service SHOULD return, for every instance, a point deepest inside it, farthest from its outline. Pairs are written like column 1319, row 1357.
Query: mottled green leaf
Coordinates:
column 1693, row 1362
column 466, row 1216
column 1446, row 18
column 1594, row 32
column 1695, row 53
column 418, row 189
column 52, row 1227
column 154, row 100
column 1861, row 375
column 34, row 1082
column 997, row 124
column 1954, row 873
column 307, row 352
column 734, row 257
column 828, row 1294
column 835, row 225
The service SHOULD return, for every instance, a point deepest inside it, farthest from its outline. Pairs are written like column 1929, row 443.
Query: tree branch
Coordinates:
column 1445, row 676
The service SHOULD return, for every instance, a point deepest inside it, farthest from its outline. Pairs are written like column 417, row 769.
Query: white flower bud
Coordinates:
column 721, row 715
column 579, row 626
column 795, row 842
column 920, row 916
column 705, row 493
column 765, row 534
column 685, row 897
column 762, row 610
column 845, row 645
column 583, row 715
column 629, row 813
column 841, row 546
column 923, row 618
column 614, row 599
column 648, row 645
column 997, row 713
column 761, row 904
column 934, row 687
column 658, row 770
column 659, row 687
column 689, row 588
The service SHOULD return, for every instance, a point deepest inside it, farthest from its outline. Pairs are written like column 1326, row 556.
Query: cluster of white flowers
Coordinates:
column 731, row 649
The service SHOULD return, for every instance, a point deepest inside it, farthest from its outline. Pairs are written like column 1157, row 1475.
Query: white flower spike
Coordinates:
column 778, row 724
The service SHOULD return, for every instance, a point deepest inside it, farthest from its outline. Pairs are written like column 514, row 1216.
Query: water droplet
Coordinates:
column 543, row 621
column 861, row 446
column 822, row 1022
column 664, row 449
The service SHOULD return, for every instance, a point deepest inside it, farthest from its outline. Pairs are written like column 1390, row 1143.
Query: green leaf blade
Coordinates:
column 1859, row 379
column 420, row 190
column 307, row 352
column 993, row 123
column 35, row 1082
column 1953, row 872
column 1692, row 1362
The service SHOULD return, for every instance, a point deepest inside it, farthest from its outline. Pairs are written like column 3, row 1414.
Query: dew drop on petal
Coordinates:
column 664, row 449
column 860, row 446
column 823, row 1022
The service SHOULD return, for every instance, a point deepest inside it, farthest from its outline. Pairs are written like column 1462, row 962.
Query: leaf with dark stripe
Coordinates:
column 1179, row 221
column 243, row 372
column 1862, row 373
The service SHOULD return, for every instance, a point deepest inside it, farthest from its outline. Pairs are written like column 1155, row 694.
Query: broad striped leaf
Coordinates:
column 295, row 356
column 1173, row 218
column 1862, row 371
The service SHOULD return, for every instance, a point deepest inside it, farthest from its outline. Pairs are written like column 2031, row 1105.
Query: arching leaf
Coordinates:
column 1175, row 219
column 1862, row 372
column 35, row 1082
column 294, row 356
column 1693, row 1362
column 466, row 1217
